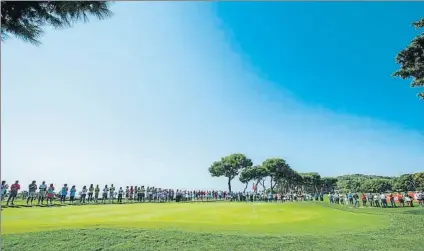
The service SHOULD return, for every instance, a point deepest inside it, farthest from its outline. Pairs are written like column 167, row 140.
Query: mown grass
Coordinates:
column 212, row 226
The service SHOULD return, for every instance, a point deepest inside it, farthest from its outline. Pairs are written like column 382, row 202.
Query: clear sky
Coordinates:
column 158, row 92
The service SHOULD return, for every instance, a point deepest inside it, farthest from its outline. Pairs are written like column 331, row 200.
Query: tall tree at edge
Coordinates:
column 26, row 19
column 411, row 60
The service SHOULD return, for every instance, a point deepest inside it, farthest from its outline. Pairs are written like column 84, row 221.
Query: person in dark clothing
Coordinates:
column 32, row 188
column 120, row 195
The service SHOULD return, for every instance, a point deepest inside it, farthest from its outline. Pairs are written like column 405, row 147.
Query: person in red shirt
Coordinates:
column 13, row 192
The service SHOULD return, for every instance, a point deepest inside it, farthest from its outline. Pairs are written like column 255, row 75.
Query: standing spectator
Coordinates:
column 63, row 193
column 364, row 200
column 131, row 193
column 355, row 200
column 350, row 197
column 111, row 193
column 3, row 189
column 370, row 199
column 143, row 193
column 32, row 188
column 50, row 194
column 336, row 198
column 392, row 200
column 135, row 193
column 120, row 194
column 90, row 193
column 419, row 198
column 96, row 193
column 13, row 192
column 105, row 191
column 139, row 194
column 42, row 191
column 127, row 194
column 83, row 194
column 383, row 200
column 72, row 193
column 376, row 200
column 401, row 200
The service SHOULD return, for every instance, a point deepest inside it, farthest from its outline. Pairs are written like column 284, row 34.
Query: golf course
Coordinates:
column 212, row 226
column 212, row 126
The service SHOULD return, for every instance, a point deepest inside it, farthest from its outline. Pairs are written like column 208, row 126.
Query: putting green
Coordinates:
column 243, row 218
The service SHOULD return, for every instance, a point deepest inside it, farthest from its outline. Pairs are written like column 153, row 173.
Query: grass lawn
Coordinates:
column 212, row 226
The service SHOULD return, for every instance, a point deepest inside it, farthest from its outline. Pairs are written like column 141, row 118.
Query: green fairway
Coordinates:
column 211, row 226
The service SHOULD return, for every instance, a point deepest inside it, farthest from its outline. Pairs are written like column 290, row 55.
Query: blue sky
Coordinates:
column 157, row 93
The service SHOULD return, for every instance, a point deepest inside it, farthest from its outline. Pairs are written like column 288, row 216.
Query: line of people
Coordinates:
column 382, row 200
column 109, row 194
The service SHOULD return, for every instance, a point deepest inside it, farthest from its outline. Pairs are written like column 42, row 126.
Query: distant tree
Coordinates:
column 350, row 183
column 404, row 182
column 290, row 182
column 230, row 167
column 312, row 181
column 247, row 175
column 367, row 186
column 26, row 19
column 379, row 185
column 307, row 184
column 277, row 169
column 411, row 60
column 259, row 174
column 418, row 180
column 328, row 184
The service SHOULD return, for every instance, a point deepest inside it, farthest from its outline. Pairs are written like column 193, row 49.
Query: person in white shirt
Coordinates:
column 42, row 192
column 120, row 195
column 105, row 192
column 376, row 200
column 383, row 200
column 83, row 194
column 419, row 198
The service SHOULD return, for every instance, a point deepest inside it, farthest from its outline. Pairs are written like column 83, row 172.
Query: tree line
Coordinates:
column 276, row 175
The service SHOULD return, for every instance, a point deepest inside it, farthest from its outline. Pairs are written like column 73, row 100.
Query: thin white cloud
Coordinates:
column 155, row 94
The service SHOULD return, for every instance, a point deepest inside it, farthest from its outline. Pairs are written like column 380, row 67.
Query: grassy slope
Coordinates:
column 212, row 226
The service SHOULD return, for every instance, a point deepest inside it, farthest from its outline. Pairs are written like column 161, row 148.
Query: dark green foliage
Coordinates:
column 230, row 167
column 311, row 181
column 328, row 184
column 411, row 60
column 26, row 19
column 247, row 175
column 404, row 183
column 278, row 170
column 374, row 183
column 283, row 178
column 259, row 174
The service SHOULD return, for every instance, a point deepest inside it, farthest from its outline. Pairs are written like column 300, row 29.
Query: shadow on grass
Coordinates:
column 23, row 206
column 414, row 212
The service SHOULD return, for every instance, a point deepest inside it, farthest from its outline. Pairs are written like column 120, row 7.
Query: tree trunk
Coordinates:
column 263, row 185
column 245, row 187
column 270, row 184
column 273, row 185
column 257, row 183
column 229, row 184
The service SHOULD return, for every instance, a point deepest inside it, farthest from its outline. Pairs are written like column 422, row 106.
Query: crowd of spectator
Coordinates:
column 49, row 194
